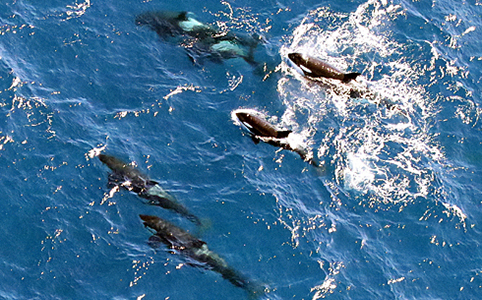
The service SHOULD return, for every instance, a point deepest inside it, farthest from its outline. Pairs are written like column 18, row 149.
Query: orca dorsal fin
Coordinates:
column 151, row 183
column 350, row 76
column 283, row 134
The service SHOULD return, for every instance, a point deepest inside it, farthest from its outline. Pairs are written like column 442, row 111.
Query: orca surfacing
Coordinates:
column 128, row 177
column 183, row 243
column 259, row 129
column 315, row 68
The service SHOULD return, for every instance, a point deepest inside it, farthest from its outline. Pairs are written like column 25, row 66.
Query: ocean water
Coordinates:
column 395, row 213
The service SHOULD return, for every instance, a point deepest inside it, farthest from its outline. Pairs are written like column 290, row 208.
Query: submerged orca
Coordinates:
column 199, row 38
column 128, row 177
column 182, row 242
column 170, row 23
column 313, row 67
column 261, row 130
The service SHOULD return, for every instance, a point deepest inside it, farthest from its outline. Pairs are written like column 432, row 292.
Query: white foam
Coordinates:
column 455, row 210
column 95, row 151
column 386, row 151
column 358, row 175
column 296, row 141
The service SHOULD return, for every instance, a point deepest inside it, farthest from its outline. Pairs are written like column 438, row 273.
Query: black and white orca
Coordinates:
column 128, row 177
column 198, row 38
column 315, row 68
column 183, row 243
column 259, row 129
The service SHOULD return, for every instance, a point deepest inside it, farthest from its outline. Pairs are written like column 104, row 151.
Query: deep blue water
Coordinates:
column 396, row 214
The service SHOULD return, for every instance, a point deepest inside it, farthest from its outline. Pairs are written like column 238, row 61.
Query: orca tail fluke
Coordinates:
column 350, row 76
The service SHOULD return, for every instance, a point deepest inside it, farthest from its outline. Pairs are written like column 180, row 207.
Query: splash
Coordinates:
column 378, row 141
column 94, row 152
column 77, row 10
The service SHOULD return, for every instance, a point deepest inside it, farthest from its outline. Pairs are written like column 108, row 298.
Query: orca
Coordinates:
column 200, row 39
column 128, row 177
column 315, row 68
column 258, row 126
column 181, row 242
column 259, row 129
column 172, row 24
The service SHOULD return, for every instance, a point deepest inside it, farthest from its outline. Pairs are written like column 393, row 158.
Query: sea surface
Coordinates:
column 395, row 211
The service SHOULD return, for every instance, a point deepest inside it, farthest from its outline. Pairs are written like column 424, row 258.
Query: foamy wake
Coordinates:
column 379, row 142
